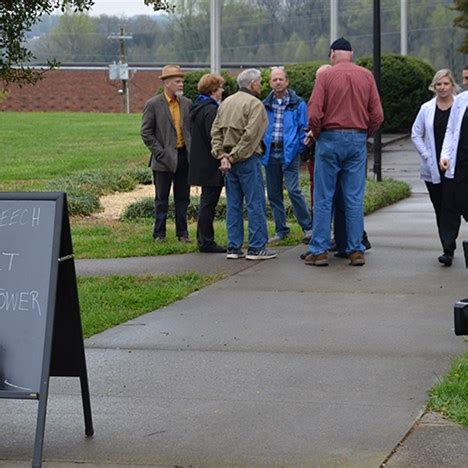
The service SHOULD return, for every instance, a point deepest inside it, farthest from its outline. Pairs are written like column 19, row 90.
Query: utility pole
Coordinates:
column 333, row 20
column 215, row 36
column 404, row 27
column 122, row 68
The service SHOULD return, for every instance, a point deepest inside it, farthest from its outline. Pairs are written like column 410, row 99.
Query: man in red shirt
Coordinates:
column 344, row 110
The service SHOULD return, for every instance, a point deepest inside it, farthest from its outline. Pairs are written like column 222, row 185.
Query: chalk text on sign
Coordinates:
column 19, row 301
column 6, row 260
column 20, row 217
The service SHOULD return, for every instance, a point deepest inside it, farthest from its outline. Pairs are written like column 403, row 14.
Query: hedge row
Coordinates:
column 404, row 85
column 378, row 195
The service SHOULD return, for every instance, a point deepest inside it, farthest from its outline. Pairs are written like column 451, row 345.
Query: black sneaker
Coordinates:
column 263, row 254
column 234, row 254
column 446, row 259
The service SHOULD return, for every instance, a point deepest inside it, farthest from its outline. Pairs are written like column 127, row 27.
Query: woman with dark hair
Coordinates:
column 428, row 135
column 204, row 168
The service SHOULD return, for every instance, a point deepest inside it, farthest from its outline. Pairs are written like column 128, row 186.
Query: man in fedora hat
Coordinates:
column 165, row 130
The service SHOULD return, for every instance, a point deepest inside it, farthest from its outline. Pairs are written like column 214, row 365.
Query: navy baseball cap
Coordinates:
column 341, row 44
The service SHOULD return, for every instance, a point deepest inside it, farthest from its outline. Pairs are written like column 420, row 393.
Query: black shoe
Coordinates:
column 446, row 259
column 184, row 239
column 215, row 248
column 341, row 255
column 159, row 238
column 365, row 241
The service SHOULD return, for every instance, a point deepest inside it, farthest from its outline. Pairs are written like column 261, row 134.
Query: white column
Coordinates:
column 333, row 20
column 215, row 36
column 404, row 27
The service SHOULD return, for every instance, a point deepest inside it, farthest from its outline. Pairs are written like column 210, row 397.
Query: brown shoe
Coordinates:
column 357, row 258
column 317, row 260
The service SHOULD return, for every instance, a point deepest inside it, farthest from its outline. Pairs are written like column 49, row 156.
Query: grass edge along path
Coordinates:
column 111, row 300
column 450, row 396
column 93, row 238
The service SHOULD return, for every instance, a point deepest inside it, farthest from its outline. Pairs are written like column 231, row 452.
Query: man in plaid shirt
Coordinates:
column 287, row 120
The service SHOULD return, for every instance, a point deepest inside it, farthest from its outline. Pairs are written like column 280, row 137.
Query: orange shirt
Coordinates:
column 174, row 108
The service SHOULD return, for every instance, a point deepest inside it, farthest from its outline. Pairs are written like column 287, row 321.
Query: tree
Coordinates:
column 461, row 21
column 17, row 18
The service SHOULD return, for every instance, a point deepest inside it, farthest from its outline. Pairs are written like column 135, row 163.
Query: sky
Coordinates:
column 120, row 8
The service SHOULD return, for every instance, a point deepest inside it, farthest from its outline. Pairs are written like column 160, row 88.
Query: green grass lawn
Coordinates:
column 116, row 239
column 37, row 147
column 450, row 395
column 108, row 301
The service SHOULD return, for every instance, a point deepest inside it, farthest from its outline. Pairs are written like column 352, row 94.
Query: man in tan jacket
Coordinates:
column 237, row 134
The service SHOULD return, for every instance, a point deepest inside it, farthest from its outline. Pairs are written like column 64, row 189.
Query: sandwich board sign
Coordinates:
column 40, row 323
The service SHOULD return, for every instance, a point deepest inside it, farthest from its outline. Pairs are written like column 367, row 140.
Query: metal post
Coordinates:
column 123, row 59
column 404, row 27
column 333, row 20
column 215, row 36
column 376, row 70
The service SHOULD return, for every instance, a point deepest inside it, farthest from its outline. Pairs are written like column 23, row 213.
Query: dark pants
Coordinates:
column 206, row 214
column 435, row 195
column 339, row 223
column 450, row 219
column 181, row 190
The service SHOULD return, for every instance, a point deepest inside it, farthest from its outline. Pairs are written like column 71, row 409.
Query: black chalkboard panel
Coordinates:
column 26, row 267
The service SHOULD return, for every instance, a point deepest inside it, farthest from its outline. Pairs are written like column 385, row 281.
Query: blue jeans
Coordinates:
column 275, row 174
column 340, row 159
column 245, row 181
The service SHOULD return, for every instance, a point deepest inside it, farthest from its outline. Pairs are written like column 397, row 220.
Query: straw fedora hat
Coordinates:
column 171, row 71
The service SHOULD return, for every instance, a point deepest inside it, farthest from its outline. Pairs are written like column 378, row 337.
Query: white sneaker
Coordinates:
column 234, row 254
column 263, row 254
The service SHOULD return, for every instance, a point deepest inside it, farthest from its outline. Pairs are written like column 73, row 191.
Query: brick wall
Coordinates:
column 82, row 91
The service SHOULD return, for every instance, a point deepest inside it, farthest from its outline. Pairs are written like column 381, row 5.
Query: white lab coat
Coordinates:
column 422, row 134
column 452, row 135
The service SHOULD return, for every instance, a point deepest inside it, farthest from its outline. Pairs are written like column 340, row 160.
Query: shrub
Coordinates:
column 144, row 208
column 142, row 175
column 301, row 78
column 84, row 188
column 82, row 203
column 384, row 193
column 192, row 78
column 404, row 87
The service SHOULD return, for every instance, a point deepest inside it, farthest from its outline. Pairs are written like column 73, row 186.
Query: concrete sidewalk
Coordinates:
column 280, row 364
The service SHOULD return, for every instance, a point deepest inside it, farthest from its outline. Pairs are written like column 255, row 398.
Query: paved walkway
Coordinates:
column 280, row 364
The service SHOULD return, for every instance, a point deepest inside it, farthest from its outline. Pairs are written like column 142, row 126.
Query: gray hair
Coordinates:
column 247, row 76
column 444, row 72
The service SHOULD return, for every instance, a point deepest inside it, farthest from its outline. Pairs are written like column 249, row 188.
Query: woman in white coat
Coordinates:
column 454, row 161
column 428, row 135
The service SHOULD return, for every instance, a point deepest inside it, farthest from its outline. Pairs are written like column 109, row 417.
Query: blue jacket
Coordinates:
column 294, row 124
